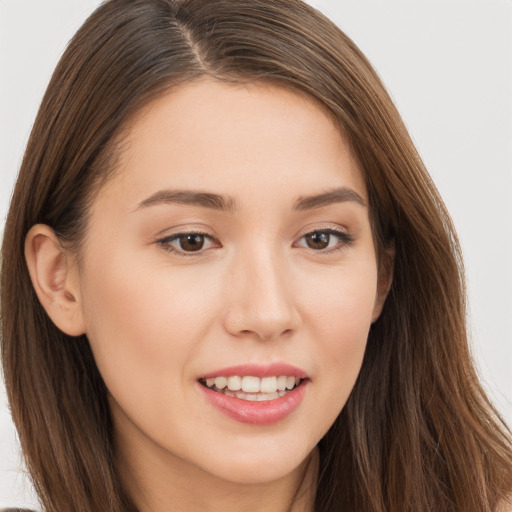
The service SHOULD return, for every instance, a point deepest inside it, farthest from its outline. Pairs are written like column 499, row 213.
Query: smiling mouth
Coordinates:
column 252, row 388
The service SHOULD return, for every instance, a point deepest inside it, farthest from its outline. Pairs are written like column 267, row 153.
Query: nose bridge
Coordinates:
column 262, row 301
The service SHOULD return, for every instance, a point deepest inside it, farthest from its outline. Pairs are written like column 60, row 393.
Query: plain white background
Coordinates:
column 448, row 66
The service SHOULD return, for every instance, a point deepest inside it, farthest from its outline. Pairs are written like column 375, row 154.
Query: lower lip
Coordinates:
column 256, row 413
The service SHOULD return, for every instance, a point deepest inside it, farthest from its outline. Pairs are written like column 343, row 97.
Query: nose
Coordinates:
column 262, row 302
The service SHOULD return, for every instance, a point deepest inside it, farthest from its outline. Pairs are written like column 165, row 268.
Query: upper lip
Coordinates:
column 257, row 370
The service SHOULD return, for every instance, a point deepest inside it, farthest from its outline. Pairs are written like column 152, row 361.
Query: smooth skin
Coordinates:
column 171, row 288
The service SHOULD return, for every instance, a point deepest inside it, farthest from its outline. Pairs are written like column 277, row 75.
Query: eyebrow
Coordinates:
column 337, row 195
column 228, row 204
column 189, row 197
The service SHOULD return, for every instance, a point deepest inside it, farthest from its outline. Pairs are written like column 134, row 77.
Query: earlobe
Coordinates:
column 384, row 280
column 54, row 279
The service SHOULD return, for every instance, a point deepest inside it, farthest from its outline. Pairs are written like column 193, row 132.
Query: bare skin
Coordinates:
column 279, row 267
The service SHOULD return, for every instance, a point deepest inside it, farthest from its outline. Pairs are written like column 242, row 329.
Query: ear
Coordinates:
column 384, row 279
column 55, row 279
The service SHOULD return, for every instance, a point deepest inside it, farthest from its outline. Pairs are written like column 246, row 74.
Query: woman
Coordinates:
column 226, row 269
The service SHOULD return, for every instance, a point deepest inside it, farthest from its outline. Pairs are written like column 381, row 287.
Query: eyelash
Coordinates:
column 165, row 243
column 345, row 240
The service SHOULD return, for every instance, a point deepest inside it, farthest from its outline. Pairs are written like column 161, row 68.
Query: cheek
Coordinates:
column 342, row 305
column 340, row 318
column 141, row 320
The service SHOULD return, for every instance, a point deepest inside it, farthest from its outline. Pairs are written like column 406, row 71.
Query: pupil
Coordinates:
column 193, row 242
column 318, row 240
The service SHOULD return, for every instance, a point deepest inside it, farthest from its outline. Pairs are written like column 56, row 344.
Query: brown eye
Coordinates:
column 326, row 240
column 318, row 240
column 191, row 242
column 186, row 244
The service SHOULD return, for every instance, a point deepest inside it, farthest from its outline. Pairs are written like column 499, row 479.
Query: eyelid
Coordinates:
column 346, row 238
column 164, row 242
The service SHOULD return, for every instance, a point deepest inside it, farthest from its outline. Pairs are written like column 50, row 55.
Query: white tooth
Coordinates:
column 290, row 382
column 297, row 381
column 251, row 397
column 268, row 385
column 235, row 383
column 281, row 382
column 281, row 392
column 250, row 384
column 210, row 382
column 240, row 394
column 227, row 392
column 267, row 396
column 220, row 382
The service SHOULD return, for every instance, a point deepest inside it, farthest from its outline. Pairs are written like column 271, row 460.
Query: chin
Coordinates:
column 261, row 468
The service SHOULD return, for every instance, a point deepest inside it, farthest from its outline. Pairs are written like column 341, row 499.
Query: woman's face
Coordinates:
column 232, row 246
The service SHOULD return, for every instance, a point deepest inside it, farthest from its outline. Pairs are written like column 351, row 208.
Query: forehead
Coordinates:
column 224, row 137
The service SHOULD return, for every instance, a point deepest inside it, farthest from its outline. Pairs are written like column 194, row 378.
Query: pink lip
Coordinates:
column 256, row 413
column 256, row 370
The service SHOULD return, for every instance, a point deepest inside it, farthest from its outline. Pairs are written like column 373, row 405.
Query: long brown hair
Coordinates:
column 417, row 433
